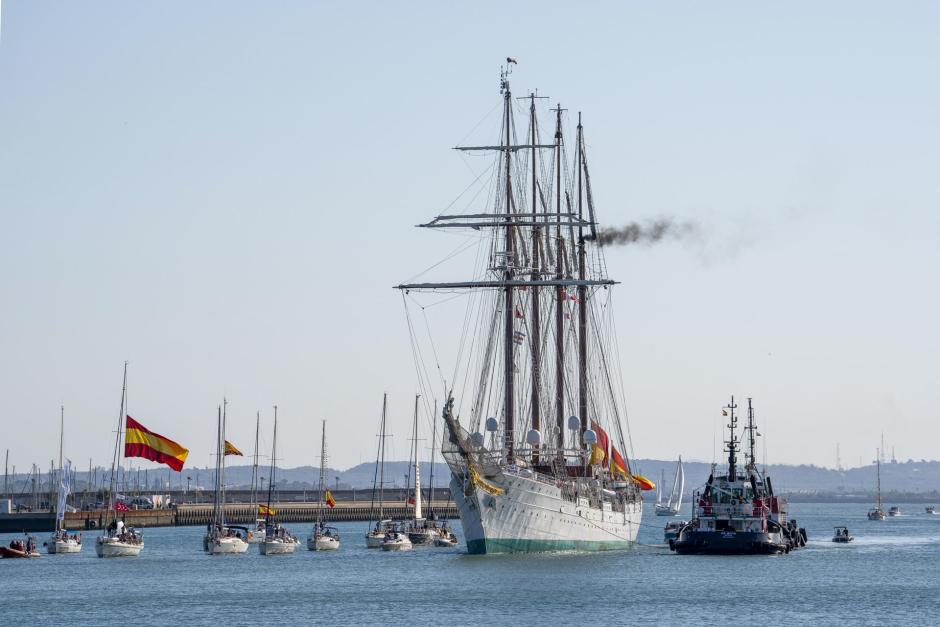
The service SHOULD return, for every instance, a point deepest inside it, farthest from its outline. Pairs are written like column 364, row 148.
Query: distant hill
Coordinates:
column 910, row 477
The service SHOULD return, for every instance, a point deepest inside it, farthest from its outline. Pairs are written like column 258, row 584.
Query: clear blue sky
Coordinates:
column 223, row 193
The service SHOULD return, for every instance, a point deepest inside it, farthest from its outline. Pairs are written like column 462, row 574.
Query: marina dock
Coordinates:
column 201, row 514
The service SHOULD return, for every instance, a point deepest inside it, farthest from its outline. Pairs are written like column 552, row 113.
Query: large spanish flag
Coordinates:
column 139, row 441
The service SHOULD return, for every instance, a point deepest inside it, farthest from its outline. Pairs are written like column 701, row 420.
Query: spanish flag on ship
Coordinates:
column 139, row 441
column 231, row 450
column 330, row 501
column 264, row 510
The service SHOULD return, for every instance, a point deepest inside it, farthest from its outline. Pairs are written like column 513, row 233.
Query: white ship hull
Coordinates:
column 374, row 539
column 225, row 546
column 322, row 543
column 531, row 516
column 112, row 547
column 63, row 546
column 277, row 547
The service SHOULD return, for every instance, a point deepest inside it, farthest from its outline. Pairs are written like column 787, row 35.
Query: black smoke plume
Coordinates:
column 648, row 233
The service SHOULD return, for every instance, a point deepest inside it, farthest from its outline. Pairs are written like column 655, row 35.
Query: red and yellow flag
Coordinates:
column 329, row 499
column 643, row 482
column 231, row 450
column 618, row 467
column 599, row 450
column 264, row 510
column 139, row 441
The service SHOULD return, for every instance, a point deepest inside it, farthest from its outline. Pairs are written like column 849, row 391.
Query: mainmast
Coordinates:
column 751, row 428
column 117, row 443
column 559, row 296
column 732, row 442
column 322, row 469
column 509, row 259
column 218, row 461
column 254, row 467
column 582, row 296
column 273, row 472
column 536, row 341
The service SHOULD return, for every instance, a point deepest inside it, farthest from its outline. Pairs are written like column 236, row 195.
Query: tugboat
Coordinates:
column 737, row 513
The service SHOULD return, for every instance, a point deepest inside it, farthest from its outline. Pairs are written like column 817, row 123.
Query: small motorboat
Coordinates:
column 672, row 529
column 19, row 548
column 842, row 535
column 931, row 509
column 894, row 511
column 396, row 541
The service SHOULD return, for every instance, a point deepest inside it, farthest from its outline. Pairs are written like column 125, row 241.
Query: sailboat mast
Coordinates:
column 322, row 466
column 382, row 464
column 509, row 306
column 536, row 341
column 433, row 450
column 273, row 472
column 417, row 492
column 878, row 485
column 582, row 295
column 115, row 460
column 222, row 462
column 218, row 438
column 254, row 463
column 559, row 296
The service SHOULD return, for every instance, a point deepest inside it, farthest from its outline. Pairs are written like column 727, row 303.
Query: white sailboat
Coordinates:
column 419, row 530
column 220, row 538
column 396, row 540
column 877, row 512
column 277, row 539
column 538, row 355
column 674, row 505
column 323, row 537
column 256, row 535
column 61, row 541
column 117, row 540
column 375, row 534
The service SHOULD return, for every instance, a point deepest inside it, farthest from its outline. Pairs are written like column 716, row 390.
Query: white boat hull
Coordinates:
column 397, row 545
column 63, row 546
column 277, row 547
column 531, row 516
column 112, row 547
column 374, row 540
column 226, row 546
column 322, row 543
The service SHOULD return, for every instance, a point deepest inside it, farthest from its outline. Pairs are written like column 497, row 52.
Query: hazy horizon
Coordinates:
column 224, row 193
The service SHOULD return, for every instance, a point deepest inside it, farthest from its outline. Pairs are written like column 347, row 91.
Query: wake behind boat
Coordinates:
column 540, row 344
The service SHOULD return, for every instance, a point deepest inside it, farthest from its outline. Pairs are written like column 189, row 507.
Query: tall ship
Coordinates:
column 534, row 415
column 737, row 511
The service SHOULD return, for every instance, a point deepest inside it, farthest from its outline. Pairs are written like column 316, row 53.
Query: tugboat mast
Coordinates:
column 751, row 429
column 732, row 442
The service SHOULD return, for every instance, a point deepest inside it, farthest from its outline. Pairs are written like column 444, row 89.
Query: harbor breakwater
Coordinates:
column 235, row 513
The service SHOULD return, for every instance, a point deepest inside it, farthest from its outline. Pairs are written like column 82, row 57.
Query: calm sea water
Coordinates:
column 889, row 574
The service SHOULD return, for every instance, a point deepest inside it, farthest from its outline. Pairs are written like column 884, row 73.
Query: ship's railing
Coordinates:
column 744, row 510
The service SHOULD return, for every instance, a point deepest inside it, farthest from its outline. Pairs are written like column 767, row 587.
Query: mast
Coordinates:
column 273, row 473
column 732, row 442
column 509, row 306
column 382, row 465
column 418, row 512
column 6, row 474
column 254, row 466
column 751, row 427
column 222, row 463
column 433, row 450
column 218, row 452
column 322, row 466
column 582, row 296
column 536, row 342
column 878, row 483
column 115, row 460
column 559, row 297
